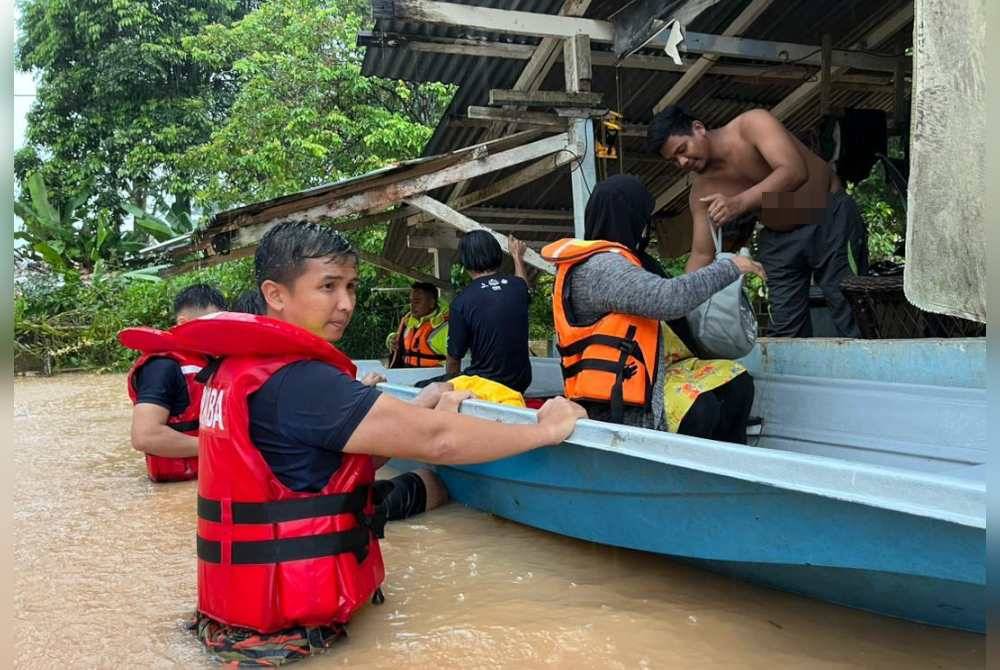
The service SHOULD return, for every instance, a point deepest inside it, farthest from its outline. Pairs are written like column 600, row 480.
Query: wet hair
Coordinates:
column 426, row 287
column 199, row 296
column 250, row 302
column 672, row 120
column 480, row 252
column 283, row 251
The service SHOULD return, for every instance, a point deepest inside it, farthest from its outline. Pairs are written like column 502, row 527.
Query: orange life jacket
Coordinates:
column 612, row 360
column 415, row 345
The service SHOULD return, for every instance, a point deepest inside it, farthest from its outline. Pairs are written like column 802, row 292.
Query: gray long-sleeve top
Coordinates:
column 608, row 283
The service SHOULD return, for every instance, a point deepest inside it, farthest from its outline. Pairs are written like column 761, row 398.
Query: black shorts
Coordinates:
column 401, row 497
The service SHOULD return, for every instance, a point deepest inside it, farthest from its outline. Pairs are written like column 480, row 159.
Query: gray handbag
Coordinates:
column 725, row 325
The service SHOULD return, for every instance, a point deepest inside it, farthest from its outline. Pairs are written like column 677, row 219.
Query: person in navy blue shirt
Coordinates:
column 161, row 391
column 489, row 318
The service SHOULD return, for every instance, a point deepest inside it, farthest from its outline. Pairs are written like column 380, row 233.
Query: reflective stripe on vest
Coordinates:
column 416, row 346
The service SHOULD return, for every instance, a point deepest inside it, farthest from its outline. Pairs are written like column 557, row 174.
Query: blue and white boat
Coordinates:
column 866, row 485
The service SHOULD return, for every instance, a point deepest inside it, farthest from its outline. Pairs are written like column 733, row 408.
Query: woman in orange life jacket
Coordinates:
column 166, row 396
column 287, row 547
column 626, row 348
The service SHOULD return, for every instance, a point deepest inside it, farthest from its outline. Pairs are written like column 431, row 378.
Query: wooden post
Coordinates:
column 825, row 78
column 583, row 172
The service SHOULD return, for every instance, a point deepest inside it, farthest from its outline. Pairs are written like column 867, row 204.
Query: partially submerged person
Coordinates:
column 489, row 320
column 249, row 302
column 288, row 532
column 626, row 349
column 166, row 395
column 421, row 341
column 754, row 166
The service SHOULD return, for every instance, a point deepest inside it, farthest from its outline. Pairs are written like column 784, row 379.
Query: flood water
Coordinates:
column 105, row 577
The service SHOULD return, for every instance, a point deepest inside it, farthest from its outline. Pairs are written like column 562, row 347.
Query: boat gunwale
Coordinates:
column 960, row 501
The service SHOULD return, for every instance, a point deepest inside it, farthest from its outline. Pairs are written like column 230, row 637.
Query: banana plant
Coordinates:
column 67, row 237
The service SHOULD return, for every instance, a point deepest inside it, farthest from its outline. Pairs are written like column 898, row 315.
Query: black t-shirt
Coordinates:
column 160, row 382
column 490, row 318
column 302, row 417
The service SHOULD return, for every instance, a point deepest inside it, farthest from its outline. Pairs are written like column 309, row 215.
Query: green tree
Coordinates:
column 118, row 98
column 304, row 115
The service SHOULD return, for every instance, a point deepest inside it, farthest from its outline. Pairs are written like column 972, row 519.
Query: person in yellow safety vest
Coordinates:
column 421, row 341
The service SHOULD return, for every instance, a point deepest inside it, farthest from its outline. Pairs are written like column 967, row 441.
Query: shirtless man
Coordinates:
column 753, row 166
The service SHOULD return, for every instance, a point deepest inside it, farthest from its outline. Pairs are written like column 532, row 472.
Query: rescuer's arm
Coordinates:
column 394, row 428
column 152, row 435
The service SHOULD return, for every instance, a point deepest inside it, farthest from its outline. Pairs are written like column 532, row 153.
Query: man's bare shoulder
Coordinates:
column 754, row 119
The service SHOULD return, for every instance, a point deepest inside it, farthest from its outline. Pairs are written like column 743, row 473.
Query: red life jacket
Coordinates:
column 270, row 558
column 155, row 343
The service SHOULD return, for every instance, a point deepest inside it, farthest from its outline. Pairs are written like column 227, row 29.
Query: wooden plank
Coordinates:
column 791, row 103
column 455, row 47
column 392, row 266
column 471, row 17
column 446, row 214
column 576, row 61
column 529, row 174
column 639, row 21
column 704, row 64
column 393, row 193
column 825, row 82
column 518, row 213
column 579, row 100
column 797, row 73
column 517, row 116
column 534, row 24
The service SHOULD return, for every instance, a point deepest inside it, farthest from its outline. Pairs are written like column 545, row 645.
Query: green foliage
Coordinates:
column 118, row 98
column 303, row 114
column 73, row 322
column 884, row 213
column 69, row 236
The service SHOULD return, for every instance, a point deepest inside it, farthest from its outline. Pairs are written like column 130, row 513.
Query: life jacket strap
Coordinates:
column 287, row 510
column 282, row 550
column 184, row 426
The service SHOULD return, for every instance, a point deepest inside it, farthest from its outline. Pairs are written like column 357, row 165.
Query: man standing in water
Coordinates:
column 289, row 441
column 166, row 396
column 754, row 166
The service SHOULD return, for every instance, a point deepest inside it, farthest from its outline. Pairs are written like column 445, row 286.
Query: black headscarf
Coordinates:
column 620, row 209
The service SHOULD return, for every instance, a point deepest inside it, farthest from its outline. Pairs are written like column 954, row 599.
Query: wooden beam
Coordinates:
column 578, row 100
column 825, row 83
column 392, row 266
column 517, row 213
column 801, row 95
column 451, row 46
column 576, row 59
column 872, row 40
column 527, row 175
column 519, row 117
column 637, row 22
column 471, row 17
column 446, row 214
column 695, row 72
column 397, row 191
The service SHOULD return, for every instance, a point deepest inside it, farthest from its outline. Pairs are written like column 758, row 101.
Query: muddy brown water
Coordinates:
column 105, row 577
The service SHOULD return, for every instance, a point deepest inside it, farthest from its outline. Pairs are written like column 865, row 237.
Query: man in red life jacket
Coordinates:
column 289, row 441
column 167, row 397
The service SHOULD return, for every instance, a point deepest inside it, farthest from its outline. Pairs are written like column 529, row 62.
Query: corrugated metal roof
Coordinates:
column 714, row 99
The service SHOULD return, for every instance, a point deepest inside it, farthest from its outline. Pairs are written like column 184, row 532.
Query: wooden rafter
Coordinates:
column 459, row 221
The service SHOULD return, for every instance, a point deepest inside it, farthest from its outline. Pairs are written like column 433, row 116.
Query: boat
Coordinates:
column 865, row 486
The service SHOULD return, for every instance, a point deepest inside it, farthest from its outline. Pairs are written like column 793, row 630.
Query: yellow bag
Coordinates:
column 490, row 391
